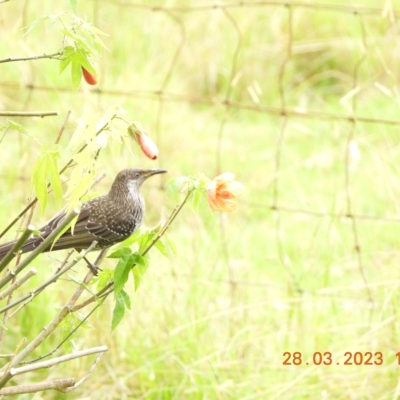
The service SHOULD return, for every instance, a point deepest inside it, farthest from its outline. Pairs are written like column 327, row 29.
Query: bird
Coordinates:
column 107, row 219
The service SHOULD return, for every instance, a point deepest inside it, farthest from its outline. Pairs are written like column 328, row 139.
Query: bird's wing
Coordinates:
column 87, row 229
column 82, row 236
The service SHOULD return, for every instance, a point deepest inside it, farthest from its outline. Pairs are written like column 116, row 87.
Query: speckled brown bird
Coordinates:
column 107, row 219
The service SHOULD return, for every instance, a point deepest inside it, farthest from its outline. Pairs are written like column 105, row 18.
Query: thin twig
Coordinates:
column 18, row 283
column 66, row 338
column 46, row 243
column 46, row 331
column 53, row 279
column 28, row 113
column 108, row 289
column 16, row 248
column 53, row 55
column 57, row 360
column 63, row 127
column 57, row 384
column 87, row 375
column 34, row 201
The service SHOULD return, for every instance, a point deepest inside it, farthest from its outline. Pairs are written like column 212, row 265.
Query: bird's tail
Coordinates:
column 29, row 245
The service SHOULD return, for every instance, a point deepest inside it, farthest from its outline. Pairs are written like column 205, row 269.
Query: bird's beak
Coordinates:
column 151, row 172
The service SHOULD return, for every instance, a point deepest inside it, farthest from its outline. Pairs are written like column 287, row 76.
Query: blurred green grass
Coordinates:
column 214, row 321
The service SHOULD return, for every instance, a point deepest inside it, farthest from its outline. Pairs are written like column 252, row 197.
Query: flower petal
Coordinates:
column 222, row 192
column 225, row 177
column 211, row 189
column 236, row 188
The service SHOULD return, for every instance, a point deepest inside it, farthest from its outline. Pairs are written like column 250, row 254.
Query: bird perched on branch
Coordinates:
column 108, row 219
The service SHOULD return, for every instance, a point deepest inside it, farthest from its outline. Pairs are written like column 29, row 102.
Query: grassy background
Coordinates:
column 282, row 274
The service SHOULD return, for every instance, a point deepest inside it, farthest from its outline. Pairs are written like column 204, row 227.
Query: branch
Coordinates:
column 17, row 247
column 57, row 360
column 63, row 127
column 58, row 384
column 18, row 283
column 34, row 201
column 64, row 340
column 173, row 215
column 47, row 330
column 46, row 243
column 86, row 376
column 107, row 289
column 28, row 113
column 9, row 59
column 62, row 271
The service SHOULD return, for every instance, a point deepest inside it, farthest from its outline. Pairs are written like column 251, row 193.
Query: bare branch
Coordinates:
column 46, row 242
column 16, row 248
column 53, row 279
column 18, row 283
column 66, row 338
column 28, row 113
column 63, row 127
column 53, row 55
column 34, row 201
column 86, row 376
column 57, row 360
column 57, row 384
column 46, row 331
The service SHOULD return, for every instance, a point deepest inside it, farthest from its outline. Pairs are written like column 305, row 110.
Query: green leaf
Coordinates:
column 160, row 246
column 130, row 241
column 77, row 38
column 71, row 225
column 52, row 172
column 127, row 299
column 197, row 198
column 95, row 41
column 139, row 267
column 83, row 59
column 80, row 283
column 39, row 181
column 67, row 58
column 80, row 181
column 137, row 259
column 17, row 127
column 119, row 310
column 104, row 278
column 52, row 18
column 145, row 240
column 76, row 74
column 121, row 273
column 45, row 168
column 120, row 253
column 20, row 128
column 34, row 24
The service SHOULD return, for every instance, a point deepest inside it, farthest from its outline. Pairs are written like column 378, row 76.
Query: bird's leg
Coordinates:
column 94, row 268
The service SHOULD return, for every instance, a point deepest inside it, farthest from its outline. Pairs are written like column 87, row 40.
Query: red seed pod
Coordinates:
column 89, row 78
column 148, row 146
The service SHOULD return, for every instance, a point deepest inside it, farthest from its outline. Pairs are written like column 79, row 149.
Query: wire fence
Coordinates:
column 364, row 44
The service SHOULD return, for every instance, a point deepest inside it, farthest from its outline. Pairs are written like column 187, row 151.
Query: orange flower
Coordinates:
column 222, row 192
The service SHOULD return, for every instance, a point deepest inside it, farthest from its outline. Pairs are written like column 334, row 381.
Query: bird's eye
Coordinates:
column 137, row 174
